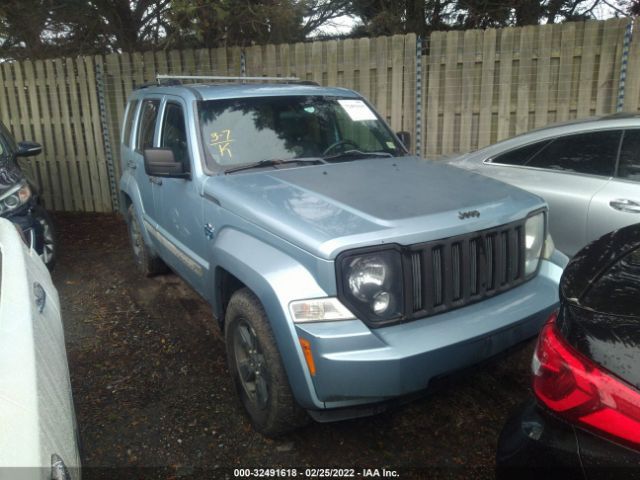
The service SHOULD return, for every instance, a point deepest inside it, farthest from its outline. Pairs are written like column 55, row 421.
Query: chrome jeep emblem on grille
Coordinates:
column 468, row 214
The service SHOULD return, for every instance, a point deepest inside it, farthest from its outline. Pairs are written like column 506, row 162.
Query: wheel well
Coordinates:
column 227, row 286
column 125, row 202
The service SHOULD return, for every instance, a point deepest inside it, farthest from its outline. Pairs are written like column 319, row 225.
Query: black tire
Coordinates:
column 48, row 244
column 256, row 368
column 148, row 263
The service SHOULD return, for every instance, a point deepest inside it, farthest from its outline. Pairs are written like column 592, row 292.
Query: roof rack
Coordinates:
column 159, row 78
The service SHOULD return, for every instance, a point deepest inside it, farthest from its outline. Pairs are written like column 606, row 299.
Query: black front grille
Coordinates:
column 456, row 271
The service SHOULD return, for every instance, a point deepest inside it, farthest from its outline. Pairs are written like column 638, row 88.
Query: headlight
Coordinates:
column 370, row 284
column 15, row 197
column 533, row 241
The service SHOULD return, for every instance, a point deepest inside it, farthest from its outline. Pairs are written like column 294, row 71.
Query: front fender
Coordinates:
column 276, row 279
column 129, row 187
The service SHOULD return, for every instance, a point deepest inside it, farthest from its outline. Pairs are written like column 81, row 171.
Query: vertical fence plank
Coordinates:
column 432, row 98
column 270, row 60
column 380, row 47
column 409, row 85
column 451, row 91
column 91, row 159
column 524, row 79
column 98, row 139
column 61, row 147
column 50, row 164
column 567, row 47
column 504, row 97
column 608, row 75
column 543, row 79
column 397, row 60
column 33, row 124
column 587, row 62
column 632, row 88
column 71, row 149
column 349, row 49
column 486, row 87
column 364, row 63
column 316, row 62
column 332, row 63
column 77, row 125
column 470, row 43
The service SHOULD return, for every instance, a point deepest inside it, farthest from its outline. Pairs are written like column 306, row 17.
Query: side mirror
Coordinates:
column 405, row 138
column 161, row 162
column 28, row 149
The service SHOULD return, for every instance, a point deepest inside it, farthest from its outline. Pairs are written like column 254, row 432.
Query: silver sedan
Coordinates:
column 588, row 171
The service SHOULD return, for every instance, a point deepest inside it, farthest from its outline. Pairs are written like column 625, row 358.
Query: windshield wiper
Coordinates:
column 275, row 162
column 357, row 154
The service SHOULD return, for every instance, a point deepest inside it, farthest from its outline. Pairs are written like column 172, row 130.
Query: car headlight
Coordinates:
column 533, row 241
column 15, row 197
column 370, row 284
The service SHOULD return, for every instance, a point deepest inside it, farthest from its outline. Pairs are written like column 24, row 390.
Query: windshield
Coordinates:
column 246, row 130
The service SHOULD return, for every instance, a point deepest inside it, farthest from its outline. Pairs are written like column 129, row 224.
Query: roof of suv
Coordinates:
column 209, row 91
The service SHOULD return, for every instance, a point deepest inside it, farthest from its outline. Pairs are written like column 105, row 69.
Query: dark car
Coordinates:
column 585, row 419
column 20, row 200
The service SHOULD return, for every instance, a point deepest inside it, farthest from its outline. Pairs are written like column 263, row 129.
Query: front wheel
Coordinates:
column 256, row 367
column 47, row 244
column 147, row 262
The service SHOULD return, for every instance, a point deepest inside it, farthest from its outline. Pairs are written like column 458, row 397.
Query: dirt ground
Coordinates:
column 154, row 400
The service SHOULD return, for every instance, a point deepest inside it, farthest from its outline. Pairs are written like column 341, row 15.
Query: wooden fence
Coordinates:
column 477, row 87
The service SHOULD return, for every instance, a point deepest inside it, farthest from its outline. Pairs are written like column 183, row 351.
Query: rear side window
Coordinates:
column 174, row 133
column 520, row 156
column 128, row 122
column 593, row 153
column 629, row 164
column 147, row 124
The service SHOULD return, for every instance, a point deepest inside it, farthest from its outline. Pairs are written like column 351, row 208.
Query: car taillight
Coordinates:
column 580, row 391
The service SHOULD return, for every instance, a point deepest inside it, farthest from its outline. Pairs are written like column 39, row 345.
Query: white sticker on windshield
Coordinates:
column 357, row 110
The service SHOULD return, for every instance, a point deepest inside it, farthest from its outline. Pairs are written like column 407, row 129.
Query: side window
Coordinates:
column 147, row 124
column 629, row 164
column 174, row 133
column 128, row 122
column 593, row 153
column 520, row 156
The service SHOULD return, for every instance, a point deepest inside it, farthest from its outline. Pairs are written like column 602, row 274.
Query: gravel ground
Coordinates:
column 154, row 399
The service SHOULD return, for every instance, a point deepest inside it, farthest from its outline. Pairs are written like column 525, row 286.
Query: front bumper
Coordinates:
column 356, row 365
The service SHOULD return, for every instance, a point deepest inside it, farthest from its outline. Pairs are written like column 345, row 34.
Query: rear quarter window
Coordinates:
column 519, row 156
column 592, row 153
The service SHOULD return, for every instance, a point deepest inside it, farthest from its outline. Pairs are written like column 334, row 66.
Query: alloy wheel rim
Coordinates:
column 250, row 364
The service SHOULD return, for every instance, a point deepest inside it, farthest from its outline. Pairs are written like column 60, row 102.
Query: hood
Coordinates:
column 325, row 209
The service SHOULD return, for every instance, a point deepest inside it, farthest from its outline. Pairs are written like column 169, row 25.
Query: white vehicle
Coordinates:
column 38, row 436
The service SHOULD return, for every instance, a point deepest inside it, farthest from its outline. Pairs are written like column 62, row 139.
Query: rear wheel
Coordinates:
column 256, row 367
column 148, row 263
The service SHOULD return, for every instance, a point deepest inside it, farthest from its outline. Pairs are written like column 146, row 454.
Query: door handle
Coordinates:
column 625, row 205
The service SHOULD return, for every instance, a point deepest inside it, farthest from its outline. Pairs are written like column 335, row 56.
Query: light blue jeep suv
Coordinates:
column 343, row 271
